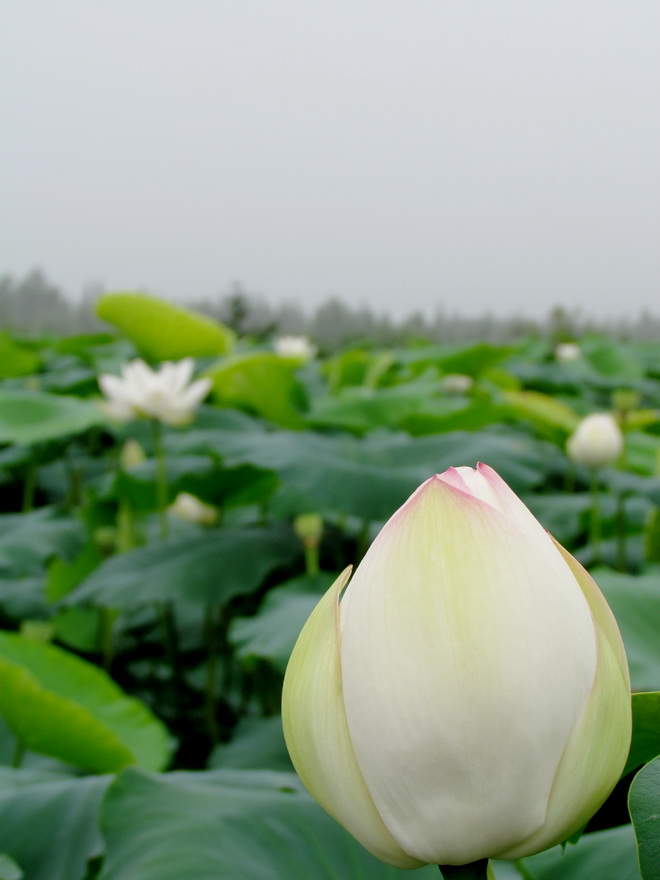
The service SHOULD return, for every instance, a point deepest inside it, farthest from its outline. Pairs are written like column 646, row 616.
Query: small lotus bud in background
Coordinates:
column 132, row 455
column 105, row 538
column 166, row 394
column 298, row 348
column 456, row 383
column 466, row 696
column 37, row 630
column 189, row 508
column 596, row 442
column 565, row 352
column 309, row 528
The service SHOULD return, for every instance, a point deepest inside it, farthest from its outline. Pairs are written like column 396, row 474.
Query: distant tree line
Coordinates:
column 33, row 305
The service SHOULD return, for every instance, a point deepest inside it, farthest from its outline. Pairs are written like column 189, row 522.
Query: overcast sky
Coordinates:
column 464, row 154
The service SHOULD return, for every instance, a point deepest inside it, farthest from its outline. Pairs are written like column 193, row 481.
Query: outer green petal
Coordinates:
column 596, row 753
column 317, row 735
column 468, row 656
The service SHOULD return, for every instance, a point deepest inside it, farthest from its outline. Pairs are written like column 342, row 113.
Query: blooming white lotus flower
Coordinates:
column 165, row 394
column 189, row 508
column 467, row 696
column 596, row 442
column 565, row 352
column 297, row 347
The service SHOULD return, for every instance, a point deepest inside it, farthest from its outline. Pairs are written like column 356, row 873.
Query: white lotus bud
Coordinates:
column 565, row 352
column 190, row 509
column 295, row 347
column 596, row 442
column 467, row 696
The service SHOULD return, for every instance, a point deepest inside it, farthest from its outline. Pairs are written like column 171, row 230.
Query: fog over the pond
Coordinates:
column 408, row 155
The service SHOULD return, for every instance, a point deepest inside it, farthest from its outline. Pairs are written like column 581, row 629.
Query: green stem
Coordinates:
column 621, row 562
column 161, row 477
column 312, row 560
column 29, row 487
column 594, row 537
column 171, row 643
column 211, row 674
column 473, row 871
column 107, row 618
column 19, row 751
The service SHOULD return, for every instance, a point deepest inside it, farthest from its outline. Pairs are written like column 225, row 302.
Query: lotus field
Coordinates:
column 176, row 503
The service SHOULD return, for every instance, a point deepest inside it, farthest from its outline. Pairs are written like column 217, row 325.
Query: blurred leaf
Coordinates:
column 9, row 870
column 208, row 569
column 362, row 409
column 62, row 706
column 646, row 730
column 256, row 744
column 261, row 382
column 28, row 540
column 49, row 827
column 33, row 416
column 63, row 576
column 162, row 331
column 16, row 360
column 602, row 855
column 228, row 824
column 635, row 602
column 542, row 410
column 272, row 632
column 644, row 805
column 373, row 476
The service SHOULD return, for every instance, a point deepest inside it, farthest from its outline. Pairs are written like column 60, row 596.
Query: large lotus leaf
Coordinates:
column 362, row 409
column 260, row 382
column 606, row 855
column 455, row 413
column 62, row 706
column 256, row 744
column 644, row 804
column 548, row 414
column 50, row 826
column 372, row 476
column 34, row 416
column 646, row 730
column 614, row 359
column 162, row 331
column 225, row 825
column 635, row 601
column 471, row 359
column 207, row 569
column 16, row 359
column 28, row 540
column 272, row 632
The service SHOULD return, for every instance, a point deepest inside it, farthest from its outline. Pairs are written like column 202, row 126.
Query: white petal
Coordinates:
column 193, row 396
column 317, row 736
column 470, row 623
column 596, row 752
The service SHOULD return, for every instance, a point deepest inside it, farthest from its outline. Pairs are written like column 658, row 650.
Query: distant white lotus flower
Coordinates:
column 565, row 352
column 456, row 383
column 190, row 509
column 298, row 347
column 596, row 442
column 165, row 394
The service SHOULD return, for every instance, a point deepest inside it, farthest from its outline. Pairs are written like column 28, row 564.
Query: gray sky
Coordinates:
column 469, row 154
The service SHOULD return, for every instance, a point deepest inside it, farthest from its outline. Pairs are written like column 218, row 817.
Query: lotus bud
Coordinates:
column 296, row 348
column 132, row 455
column 565, row 352
column 466, row 695
column 456, row 383
column 309, row 528
column 596, row 442
column 190, row 509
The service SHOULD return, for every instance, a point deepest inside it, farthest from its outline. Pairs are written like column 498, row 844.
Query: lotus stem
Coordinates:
column 312, row 559
column 473, row 871
column 161, row 477
column 621, row 561
column 29, row 487
column 211, row 674
column 594, row 536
